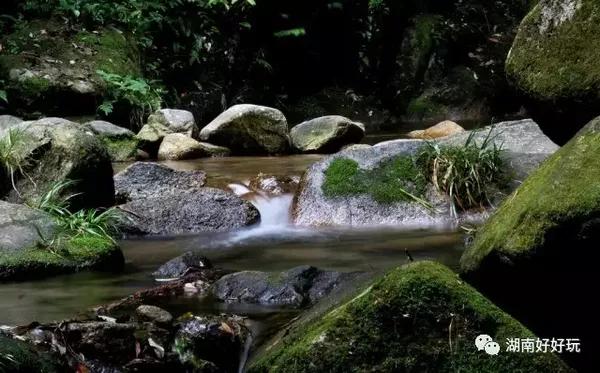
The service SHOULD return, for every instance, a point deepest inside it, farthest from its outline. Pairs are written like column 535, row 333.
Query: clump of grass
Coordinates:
column 88, row 222
column 464, row 173
column 397, row 179
column 13, row 155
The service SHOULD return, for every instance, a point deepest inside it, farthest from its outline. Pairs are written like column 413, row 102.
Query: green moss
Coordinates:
column 420, row 317
column 563, row 190
column 114, row 53
column 561, row 61
column 72, row 254
column 34, row 87
column 423, row 106
column 386, row 183
column 121, row 150
column 18, row 357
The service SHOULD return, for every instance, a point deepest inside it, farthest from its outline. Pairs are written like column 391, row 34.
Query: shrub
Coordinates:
column 464, row 173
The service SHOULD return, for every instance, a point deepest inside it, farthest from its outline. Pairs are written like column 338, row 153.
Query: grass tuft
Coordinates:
column 13, row 155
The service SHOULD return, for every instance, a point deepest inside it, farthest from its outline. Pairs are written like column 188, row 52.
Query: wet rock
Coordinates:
column 442, row 129
column 154, row 314
column 151, row 180
column 326, row 134
column 207, row 209
column 60, row 150
column 120, row 142
column 249, row 130
column 551, row 63
column 115, row 342
column 275, row 185
column 21, row 227
column 177, row 146
column 19, row 357
column 178, row 267
column 297, row 287
column 525, row 147
column 218, row 340
column 394, row 324
column 164, row 122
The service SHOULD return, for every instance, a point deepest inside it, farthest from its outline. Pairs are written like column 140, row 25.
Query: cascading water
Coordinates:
column 275, row 210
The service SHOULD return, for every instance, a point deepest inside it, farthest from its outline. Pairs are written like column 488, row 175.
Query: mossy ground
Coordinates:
column 384, row 183
column 18, row 357
column 564, row 190
column 562, row 61
column 67, row 255
column 420, row 318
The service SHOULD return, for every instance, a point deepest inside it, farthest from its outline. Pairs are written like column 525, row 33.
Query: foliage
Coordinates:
column 395, row 180
column 13, row 155
column 55, row 201
column 464, row 173
column 143, row 97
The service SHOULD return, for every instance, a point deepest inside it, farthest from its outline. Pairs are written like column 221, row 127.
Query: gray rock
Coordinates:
column 275, row 185
column 326, row 134
column 146, row 180
column 216, row 339
column 107, row 129
column 177, row 146
column 21, row 226
column 8, row 121
column 63, row 151
column 297, row 287
column 526, row 146
column 164, row 122
column 249, row 129
column 153, row 314
column 207, row 209
column 178, row 267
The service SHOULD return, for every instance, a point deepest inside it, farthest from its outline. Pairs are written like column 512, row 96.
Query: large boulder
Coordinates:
column 207, row 209
column 249, row 129
column 553, row 61
column 147, row 180
column 8, row 121
column 51, row 69
column 57, row 150
column 548, row 228
column 164, row 122
column 31, row 248
column 419, row 317
column 297, row 287
column 177, row 146
column 120, row 142
column 524, row 144
column 326, row 134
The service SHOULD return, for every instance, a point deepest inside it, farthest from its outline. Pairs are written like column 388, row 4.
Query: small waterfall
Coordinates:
column 275, row 210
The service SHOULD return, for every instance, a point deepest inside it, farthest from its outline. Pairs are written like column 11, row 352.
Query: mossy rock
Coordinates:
column 51, row 69
column 420, row 317
column 547, row 229
column 18, row 357
column 554, row 61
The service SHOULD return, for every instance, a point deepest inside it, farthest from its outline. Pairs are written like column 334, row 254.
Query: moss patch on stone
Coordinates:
column 18, row 357
column 556, row 56
column 386, row 183
column 67, row 255
column 420, row 317
column 563, row 192
column 121, row 149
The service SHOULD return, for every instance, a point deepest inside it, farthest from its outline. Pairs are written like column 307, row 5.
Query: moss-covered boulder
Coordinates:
column 30, row 247
column 19, row 357
column 249, row 130
column 55, row 150
column 51, row 69
column 121, row 143
column 554, row 61
column 548, row 230
column 420, row 317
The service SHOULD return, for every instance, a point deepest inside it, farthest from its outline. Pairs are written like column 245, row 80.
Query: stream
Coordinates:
column 273, row 245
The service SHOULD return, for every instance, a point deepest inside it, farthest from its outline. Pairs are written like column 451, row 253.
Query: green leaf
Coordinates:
column 3, row 96
column 295, row 32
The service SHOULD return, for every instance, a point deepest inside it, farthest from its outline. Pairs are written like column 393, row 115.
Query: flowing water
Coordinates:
column 274, row 245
